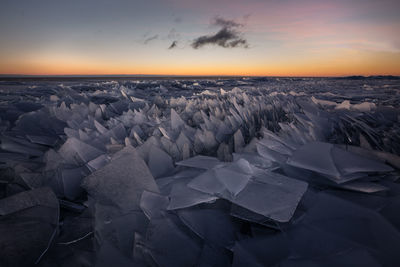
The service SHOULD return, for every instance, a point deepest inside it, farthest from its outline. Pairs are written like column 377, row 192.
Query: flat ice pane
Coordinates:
column 232, row 180
column 201, row 162
column 349, row 163
column 315, row 156
column 207, row 182
column 274, row 197
column 270, row 154
column 276, row 146
column 182, row 196
column 254, row 159
column 365, row 187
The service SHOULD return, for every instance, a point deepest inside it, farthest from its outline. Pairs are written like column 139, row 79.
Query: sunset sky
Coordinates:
column 203, row 37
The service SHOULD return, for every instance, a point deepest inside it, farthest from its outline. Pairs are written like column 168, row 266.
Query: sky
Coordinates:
column 202, row 37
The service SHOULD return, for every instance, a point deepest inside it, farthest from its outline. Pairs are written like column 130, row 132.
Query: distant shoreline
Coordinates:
column 110, row 77
column 11, row 77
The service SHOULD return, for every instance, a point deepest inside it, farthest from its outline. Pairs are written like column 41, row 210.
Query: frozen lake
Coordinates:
column 200, row 172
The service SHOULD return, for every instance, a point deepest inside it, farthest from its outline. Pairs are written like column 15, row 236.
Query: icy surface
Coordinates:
column 28, row 225
column 200, row 172
column 122, row 181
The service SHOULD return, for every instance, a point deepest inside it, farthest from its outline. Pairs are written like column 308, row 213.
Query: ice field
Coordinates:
column 200, row 172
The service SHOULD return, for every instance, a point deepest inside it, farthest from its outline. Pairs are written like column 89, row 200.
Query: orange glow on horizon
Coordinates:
column 341, row 63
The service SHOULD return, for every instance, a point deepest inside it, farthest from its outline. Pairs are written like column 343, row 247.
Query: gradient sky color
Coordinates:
column 286, row 38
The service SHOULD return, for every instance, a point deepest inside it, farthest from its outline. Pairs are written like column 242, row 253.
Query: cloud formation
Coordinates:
column 151, row 38
column 228, row 36
column 173, row 45
column 225, row 23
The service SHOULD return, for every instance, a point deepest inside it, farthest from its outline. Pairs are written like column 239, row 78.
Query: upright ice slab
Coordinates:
column 122, row 181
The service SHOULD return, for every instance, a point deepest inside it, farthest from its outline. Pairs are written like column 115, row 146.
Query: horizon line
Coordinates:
column 183, row 76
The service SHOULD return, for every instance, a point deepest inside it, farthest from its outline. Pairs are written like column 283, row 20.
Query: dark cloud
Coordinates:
column 226, row 23
column 173, row 45
column 228, row 36
column 151, row 38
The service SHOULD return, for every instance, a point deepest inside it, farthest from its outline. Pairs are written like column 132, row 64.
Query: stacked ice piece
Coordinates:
column 262, row 172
